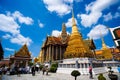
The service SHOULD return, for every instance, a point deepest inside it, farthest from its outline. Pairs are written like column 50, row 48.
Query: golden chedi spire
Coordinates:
column 103, row 44
column 106, row 53
column 74, row 26
column 76, row 47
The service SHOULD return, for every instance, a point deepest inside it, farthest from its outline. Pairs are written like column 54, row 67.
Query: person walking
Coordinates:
column 90, row 72
column 47, row 70
column 33, row 71
column 43, row 69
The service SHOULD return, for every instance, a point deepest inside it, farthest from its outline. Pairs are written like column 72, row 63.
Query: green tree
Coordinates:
column 54, row 67
column 30, row 63
column 75, row 73
column 101, row 77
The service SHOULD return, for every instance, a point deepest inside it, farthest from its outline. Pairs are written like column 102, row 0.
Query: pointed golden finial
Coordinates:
column 73, row 19
column 104, row 46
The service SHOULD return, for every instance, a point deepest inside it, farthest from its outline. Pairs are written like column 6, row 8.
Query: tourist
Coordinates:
column 19, row 71
column 118, row 68
column 43, row 69
column 90, row 71
column 33, row 71
column 47, row 69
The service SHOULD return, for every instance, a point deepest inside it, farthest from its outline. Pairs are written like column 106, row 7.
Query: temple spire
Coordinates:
column 64, row 33
column 73, row 19
column 76, row 47
column 74, row 26
column 103, row 44
column 63, row 28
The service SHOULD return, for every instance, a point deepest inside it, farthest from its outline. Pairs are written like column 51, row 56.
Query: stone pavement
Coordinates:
column 51, row 76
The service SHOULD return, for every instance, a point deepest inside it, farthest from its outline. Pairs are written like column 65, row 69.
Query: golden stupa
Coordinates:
column 76, row 47
column 40, row 57
column 106, row 53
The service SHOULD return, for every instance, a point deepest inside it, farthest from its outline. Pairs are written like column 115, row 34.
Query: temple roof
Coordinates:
column 57, row 40
column 53, row 40
column 23, row 52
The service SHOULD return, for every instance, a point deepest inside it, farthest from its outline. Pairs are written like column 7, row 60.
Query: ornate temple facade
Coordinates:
column 54, row 47
column 1, row 52
column 66, row 46
column 21, row 58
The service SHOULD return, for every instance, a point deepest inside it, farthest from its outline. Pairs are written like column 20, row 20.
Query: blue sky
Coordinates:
column 30, row 21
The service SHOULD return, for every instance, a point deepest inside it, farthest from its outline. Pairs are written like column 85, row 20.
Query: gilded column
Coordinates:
column 56, row 52
column 60, row 53
column 53, row 53
column 43, row 56
column 49, row 52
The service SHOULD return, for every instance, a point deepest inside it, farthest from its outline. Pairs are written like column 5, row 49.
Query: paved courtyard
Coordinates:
column 51, row 76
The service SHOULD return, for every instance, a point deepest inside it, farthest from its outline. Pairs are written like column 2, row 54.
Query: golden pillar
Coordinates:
column 56, row 52
column 47, row 56
column 60, row 53
column 52, row 53
column 49, row 52
column 43, row 56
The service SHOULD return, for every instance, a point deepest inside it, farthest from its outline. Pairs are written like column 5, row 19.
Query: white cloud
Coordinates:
column 61, row 7
column 7, row 36
column 98, row 32
column 88, row 20
column 116, row 15
column 119, row 8
column 8, row 24
column 69, row 22
column 56, row 33
column 68, row 1
column 94, row 11
column 108, row 17
column 22, row 19
column 9, row 49
column 41, row 25
column 20, row 39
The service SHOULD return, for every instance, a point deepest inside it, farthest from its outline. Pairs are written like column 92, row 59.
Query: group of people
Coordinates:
column 44, row 69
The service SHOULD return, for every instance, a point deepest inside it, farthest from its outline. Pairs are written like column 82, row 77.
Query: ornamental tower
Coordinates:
column 106, row 53
column 76, row 47
column 64, row 34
